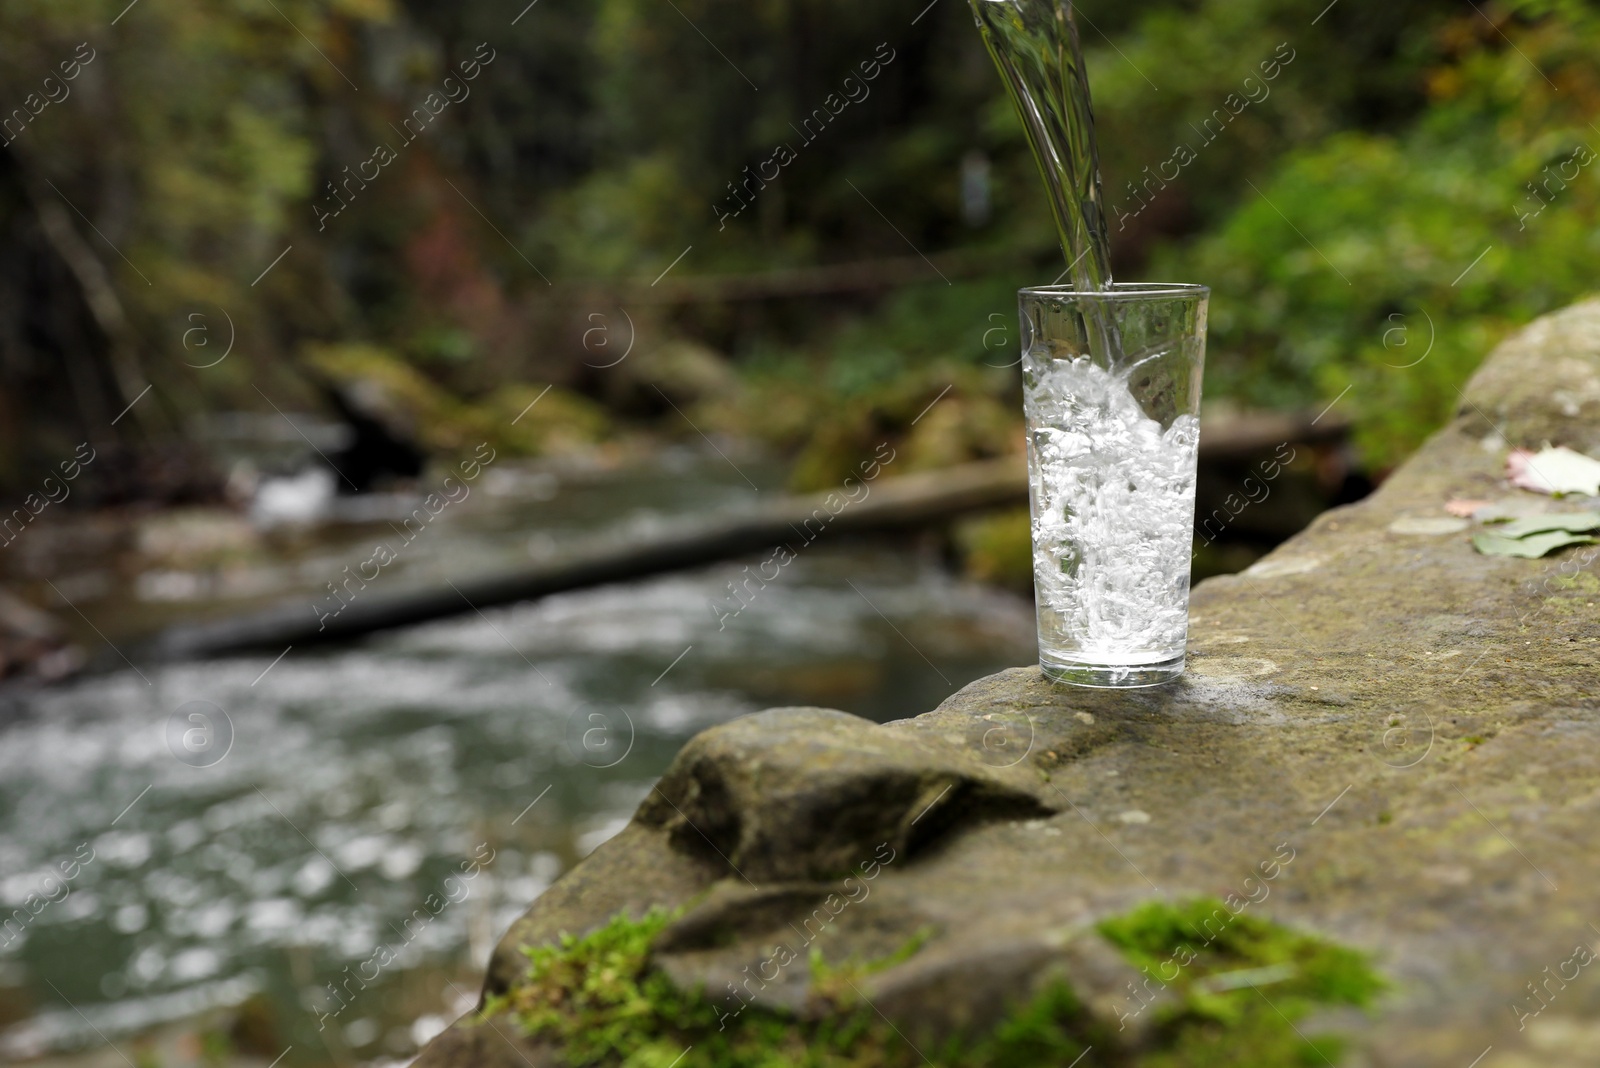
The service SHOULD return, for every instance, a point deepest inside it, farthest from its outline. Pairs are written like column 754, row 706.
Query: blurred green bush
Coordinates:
column 1389, row 263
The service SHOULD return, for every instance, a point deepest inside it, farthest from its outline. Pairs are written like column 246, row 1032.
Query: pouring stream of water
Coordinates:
column 1035, row 45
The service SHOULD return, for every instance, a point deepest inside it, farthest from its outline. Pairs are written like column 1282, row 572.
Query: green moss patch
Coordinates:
column 600, row 1002
column 1233, row 992
column 1236, row 985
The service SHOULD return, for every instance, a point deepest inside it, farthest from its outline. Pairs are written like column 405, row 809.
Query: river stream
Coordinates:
column 390, row 807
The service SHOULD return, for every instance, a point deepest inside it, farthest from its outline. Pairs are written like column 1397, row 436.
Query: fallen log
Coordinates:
column 908, row 502
column 905, row 503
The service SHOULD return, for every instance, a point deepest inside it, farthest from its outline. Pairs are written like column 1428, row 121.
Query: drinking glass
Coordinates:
column 1111, row 390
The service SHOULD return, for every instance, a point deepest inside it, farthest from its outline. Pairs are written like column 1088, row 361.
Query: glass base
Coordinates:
column 1110, row 676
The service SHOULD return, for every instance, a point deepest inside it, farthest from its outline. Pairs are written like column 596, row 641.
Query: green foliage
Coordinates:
column 1332, row 217
column 598, row 1001
column 1351, row 268
column 1174, row 65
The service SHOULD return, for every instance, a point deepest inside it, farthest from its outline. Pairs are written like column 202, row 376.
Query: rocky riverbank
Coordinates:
column 1386, row 743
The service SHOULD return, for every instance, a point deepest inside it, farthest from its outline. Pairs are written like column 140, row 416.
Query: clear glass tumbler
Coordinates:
column 1111, row 388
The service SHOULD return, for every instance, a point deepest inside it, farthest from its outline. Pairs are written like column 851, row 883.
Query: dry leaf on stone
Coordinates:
column 1555, row 471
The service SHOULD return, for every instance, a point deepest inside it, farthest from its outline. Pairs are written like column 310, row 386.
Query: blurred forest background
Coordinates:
column 513, row 243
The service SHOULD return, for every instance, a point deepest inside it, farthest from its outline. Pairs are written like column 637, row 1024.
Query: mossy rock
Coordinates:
column 1384, row 740
column 998, row 548
column 944, row 416
column 683, row 371
column 417, row 408
column 601, row 1000
column 534, row 420
column 408, row 402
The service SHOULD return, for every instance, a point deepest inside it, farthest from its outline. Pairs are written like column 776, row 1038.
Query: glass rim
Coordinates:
column 1120, row 291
